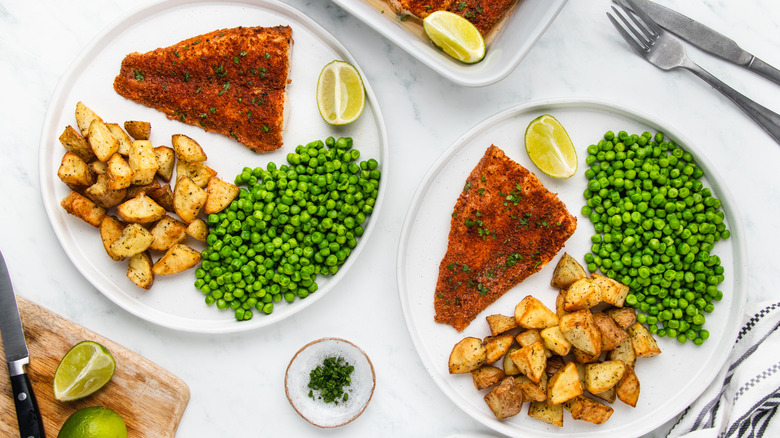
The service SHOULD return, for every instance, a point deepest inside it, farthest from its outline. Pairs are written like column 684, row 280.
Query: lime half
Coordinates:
column 94, row 422
column 550, row 148
column 455, row 35
column 84, row 369
column 340, row 93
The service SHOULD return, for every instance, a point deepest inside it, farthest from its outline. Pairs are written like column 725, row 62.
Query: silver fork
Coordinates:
column 666, row 52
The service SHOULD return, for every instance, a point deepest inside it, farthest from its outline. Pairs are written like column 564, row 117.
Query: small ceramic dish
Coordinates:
column 316, row 411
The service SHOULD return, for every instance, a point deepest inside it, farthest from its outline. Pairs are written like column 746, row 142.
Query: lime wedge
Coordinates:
column 550, row 148
column 93, row 422
column 84, row 369
column 455, row 35
column 340, row 93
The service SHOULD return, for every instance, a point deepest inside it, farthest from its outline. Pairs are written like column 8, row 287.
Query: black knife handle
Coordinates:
column 30, row 423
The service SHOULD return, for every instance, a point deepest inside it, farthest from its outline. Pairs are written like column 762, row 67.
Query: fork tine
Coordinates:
column 640, row 33
column 639, row 48
column 649, row 22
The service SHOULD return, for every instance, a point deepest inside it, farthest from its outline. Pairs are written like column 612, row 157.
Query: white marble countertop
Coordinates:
column 236, row 380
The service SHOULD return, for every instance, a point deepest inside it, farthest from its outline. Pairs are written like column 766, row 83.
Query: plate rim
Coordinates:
column 606, row 105
column 438, row 62
column 70, row 75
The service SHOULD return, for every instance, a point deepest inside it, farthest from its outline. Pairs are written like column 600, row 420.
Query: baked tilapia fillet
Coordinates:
column 230, row 81
column 484, row 14
column 505, row 227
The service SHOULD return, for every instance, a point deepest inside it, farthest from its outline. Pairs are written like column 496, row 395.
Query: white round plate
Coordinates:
column 173, row 301
column 360, row 390
column 669, row 381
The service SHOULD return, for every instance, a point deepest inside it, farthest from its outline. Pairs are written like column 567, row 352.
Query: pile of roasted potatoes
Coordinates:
column 579, row 358
column 108, row 167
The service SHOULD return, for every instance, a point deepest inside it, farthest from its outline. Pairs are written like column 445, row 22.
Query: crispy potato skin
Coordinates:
column 506, row 399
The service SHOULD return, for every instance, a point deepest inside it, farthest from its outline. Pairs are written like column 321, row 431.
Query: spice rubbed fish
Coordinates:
column 484, row 14
column 230, row 81
column 505, row 226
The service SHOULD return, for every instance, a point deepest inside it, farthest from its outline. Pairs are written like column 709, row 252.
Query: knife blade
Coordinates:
column 16, row 355
column 707, row 39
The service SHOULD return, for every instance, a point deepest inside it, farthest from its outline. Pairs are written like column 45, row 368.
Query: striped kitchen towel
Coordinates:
column 743, row 399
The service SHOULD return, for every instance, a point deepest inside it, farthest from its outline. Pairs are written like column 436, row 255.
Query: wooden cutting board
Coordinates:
column 150, row 399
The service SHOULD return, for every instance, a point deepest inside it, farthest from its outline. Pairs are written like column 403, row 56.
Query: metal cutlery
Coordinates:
column 706, row 39
column 666, row 52
column 15, row 346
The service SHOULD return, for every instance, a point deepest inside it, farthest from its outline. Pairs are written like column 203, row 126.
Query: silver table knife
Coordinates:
column 707, row 39
column 30, row 424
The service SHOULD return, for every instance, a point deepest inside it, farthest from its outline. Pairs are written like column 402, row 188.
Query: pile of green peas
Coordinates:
column 656, row 227
column 287, row 225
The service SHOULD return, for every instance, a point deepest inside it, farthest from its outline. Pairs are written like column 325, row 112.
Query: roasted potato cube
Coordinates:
column 188, row 199
column 642, row 340
column 167, row 232
column 467, row 355
column 142, row 161
column 83, row 208
column 119, row 173
column 220, row 195
column 611, row 334
column 624, row 353
column 164, row 197
column 623, row 316
column 187, row 149
column 501, row 323
column 536, row 391
column 554, row 363
column 528, row 337
column 73, row 142
column 198, row 172
column 74, row 172
column 592, row 411
column 133, row 240
column 582, row 357
column 140, row 210
column 582, row 294
column 564, row 384
column 567, row 271
column 510, row 369
column 110, row 230
column 602, row 376
column 84, row 118
column 102, row 142
column 559, row 300
column 125, row 142
column 541, row 410
column 165, row 161
column 609, row 395
column 98, row 167
column 628, row 388
column 146, row 189
column 531, row 360
column 138, row 130
column 554, row 340
column 612, row 291
column 579, row 329
column 139, row 270
column 497, row 346
column 487, row 376
column 178, row 258
column 532, row 313
column 198, row 230
column 102, row 195
column 506, row 399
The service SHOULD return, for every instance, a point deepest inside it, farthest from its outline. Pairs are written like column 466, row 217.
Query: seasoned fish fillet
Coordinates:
column 505, row 227
column 420, row 8
column 484, row 14
column 231, row 81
